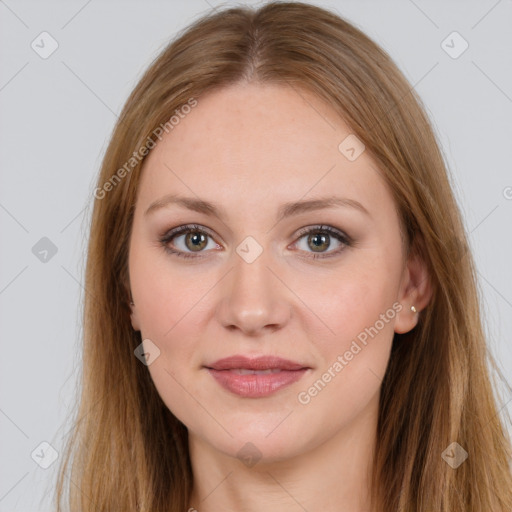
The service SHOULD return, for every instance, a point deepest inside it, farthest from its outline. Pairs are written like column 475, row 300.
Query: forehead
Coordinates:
column 248, row 144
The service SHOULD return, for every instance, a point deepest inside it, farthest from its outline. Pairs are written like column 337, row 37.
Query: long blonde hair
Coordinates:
column 127, row 451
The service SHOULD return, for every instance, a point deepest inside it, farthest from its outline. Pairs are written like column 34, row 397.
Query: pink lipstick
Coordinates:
column 255, row 377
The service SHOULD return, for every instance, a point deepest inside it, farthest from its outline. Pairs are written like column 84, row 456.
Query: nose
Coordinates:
column 254, row 300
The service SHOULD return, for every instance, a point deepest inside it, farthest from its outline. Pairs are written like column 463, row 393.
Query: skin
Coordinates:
column 251, row 148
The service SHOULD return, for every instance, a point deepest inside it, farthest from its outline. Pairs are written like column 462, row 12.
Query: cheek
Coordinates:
column 353, row 359
column 163, row 294
column 165, row 310
column 357, row 301
column 360, row 313
column 168, row 315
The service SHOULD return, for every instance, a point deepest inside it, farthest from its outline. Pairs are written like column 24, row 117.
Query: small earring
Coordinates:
column 413, row 309
column 132, row 303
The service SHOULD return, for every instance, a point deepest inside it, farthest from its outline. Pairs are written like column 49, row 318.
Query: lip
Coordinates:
column 236, row 374
column 255, row 363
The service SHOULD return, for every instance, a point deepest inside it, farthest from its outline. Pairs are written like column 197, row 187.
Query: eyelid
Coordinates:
column 323, row 228
column 186, row 228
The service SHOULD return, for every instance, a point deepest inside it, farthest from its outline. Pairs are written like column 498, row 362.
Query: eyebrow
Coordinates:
column 285, row 210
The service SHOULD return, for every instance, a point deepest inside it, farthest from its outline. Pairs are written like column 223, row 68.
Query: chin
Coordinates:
column 260, row 440
column 252, row 450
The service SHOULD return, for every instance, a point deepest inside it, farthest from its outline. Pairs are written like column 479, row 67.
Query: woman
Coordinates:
column 282, row 309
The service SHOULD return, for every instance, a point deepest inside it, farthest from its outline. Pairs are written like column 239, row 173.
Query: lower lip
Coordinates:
column 254, row 385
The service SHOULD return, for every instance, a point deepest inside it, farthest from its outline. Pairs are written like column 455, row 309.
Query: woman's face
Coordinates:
column 252, row 282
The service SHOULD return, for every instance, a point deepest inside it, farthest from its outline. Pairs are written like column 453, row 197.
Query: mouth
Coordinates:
column 256, row 377
column 246, row 371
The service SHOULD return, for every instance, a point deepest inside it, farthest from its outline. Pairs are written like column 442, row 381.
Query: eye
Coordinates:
column 195, row 239
column 319, row 238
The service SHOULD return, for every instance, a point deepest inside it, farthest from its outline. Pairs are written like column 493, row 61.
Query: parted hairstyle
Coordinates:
column 127, row 451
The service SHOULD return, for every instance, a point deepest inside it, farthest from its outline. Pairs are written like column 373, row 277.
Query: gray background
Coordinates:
column 58, row 113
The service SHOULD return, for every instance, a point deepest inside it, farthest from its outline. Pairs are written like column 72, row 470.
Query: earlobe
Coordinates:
column 406, row 319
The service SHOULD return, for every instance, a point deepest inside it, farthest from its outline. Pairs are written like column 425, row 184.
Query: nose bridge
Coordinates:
column 251, row 275
column 253, row 297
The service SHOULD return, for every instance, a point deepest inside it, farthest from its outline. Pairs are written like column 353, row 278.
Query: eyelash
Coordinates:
column 187, row 228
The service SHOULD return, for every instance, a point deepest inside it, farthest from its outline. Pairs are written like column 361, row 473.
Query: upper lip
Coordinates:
column 255, row 363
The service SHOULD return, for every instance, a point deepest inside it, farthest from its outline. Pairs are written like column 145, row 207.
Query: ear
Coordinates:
column 134, row 318
column 415, row 288
column 128, row 291
column 133, row 314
